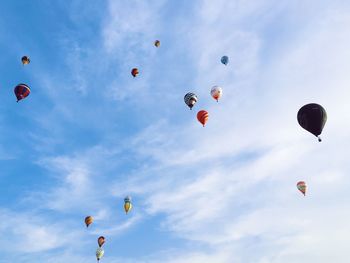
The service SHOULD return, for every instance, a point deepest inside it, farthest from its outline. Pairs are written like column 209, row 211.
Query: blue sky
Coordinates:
column 89, row 134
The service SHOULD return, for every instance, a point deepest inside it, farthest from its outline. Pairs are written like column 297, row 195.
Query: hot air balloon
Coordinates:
column 202, row 117
column 157, row 43
column 25, row 60
column 101, row 240
column 224, row 60
column 312, row 117
column 190, row 99
column 89, row 220
column 127, row 204
column 302, row 187
column 216, row 93
column 134, row 72
column 21, row 91
column 99, row 253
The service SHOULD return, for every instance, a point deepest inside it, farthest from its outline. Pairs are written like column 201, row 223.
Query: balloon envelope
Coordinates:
column 157, row 43
column 134, row 72
column 127, row 204
column 99, row 253
column 101, row 240
column 25, row 60
column 312, row 117
column 190, row 99
column 202, row 117
column 302, row 187
column 89, row 220
column 224, row 60
column 21, row 91
column 216, row 92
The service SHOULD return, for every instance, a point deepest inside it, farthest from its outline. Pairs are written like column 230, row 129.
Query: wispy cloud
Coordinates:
column 225, row 192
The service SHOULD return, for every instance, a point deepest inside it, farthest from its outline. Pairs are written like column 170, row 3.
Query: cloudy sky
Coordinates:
column 89, row 133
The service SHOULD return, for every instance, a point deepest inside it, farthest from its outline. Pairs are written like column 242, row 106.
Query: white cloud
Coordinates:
column 228, row 190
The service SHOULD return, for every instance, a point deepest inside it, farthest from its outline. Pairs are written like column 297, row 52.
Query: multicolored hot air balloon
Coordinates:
column 302, row 187
column 25, row 60
column 89, row 220
column 202, row 117
column 101, row 240
column 99, row 253
column 134, row 72
column 216, row 93
column 224, row 60
column 312, row 117
column 21, row 91
column 127, row 204
column 190, row 99
column 157, row 43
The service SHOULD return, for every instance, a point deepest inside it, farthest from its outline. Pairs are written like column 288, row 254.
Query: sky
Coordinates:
column 89, row 133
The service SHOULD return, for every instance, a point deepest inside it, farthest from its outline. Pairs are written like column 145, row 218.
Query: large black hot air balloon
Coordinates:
column 312, row 117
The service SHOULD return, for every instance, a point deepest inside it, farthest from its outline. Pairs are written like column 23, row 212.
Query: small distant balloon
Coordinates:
column 157, row 43
column 202, row 117
column 89, row 220
column 134, row 72
column 101, row 240
column 127, row 204
column 224, row 60
column 190, row 99
column 312, row 117
column 302, row 187
column 21, row 91
column 25, row 60
column 99, row 253
column 216, row 92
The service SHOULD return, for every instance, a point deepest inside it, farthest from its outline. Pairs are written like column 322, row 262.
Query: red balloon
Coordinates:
column 202, row 117
column 134, row 72
column 21, row 91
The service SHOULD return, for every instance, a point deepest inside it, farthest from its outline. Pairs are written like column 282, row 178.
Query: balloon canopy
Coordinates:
column 25, row 60
column 190, row 99
column 312, row 117
column 202, row 117
column 302, row 187
column 89, row 220
column 21, row 91
column 224, row 60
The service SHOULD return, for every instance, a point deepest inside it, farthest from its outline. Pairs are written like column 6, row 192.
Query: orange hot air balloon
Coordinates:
column 101, row 240
column 89, row 220
column 157, row 43
column 134, row 72
column 127, row 204
column 202, row 117
column 302, row 187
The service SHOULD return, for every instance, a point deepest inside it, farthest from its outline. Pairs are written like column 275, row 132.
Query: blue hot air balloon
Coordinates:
column 224, row 60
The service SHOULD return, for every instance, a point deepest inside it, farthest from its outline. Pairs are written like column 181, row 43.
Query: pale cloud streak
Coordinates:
column 229, row 187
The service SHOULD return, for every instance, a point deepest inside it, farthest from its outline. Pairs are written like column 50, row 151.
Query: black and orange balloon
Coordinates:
column 203, row 117
column 25, row 60
column 101, row 240
column 89, row 220
column 134, row 72
column 157, row 43
column 21, row 91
